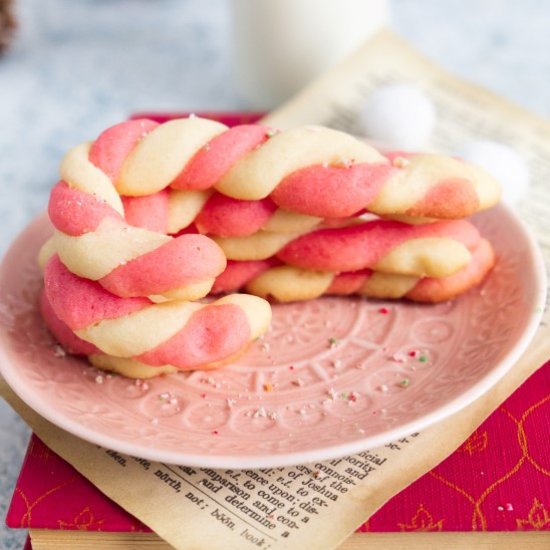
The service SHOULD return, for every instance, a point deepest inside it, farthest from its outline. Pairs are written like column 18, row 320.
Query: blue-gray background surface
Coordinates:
column 78, row 66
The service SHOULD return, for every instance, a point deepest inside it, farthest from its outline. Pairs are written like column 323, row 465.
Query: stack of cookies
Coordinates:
column 150, row 218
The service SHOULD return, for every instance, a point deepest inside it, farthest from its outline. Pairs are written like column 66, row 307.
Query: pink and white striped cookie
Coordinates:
column 272, row 279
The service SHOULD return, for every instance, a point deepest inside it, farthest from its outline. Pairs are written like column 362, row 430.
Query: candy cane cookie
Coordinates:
column 312, row 171
column 128, row 291
column 283, row 283
column 434, row 249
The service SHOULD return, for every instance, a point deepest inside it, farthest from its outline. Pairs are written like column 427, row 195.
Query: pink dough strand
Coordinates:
column 149, row 212
column 110, row 149
column 345, row 284
column 362, row 246
column 229, row 217
column 80, row 302
column 209, row 164
column 331, row 191
column 182, row 261
column 211, row 334
column 75, row 212
column 62, row 332
column 237, row 274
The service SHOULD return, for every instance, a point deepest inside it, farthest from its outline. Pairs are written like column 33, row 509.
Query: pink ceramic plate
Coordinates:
column 333, row 377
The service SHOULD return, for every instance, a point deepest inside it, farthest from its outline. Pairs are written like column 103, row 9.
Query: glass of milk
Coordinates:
column 281, row 45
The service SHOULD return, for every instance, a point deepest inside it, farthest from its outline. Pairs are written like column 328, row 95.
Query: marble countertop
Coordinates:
column 77, row 67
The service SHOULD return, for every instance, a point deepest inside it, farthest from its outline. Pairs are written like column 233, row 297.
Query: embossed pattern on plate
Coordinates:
column 333, row 376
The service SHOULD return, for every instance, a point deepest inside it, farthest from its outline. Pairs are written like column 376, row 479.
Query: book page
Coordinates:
column 318, row 505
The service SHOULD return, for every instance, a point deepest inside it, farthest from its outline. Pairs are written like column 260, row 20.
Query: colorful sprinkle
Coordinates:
column 405, row 382
column 268, row 387
column 384, row 310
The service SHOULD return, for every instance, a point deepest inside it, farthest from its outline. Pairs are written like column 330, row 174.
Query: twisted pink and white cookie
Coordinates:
column 273, row 279
column 434, row 249
column 128, row 290
column 172, row 335
column 311, row 171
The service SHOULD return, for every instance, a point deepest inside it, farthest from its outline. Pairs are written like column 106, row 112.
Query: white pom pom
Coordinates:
column 503, row 163
column 398, row 116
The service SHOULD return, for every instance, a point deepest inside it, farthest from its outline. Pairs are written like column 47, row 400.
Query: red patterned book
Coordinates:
column 498, row 480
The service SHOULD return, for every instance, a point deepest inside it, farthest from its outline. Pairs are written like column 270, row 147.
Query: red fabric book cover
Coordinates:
column 498, row 480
